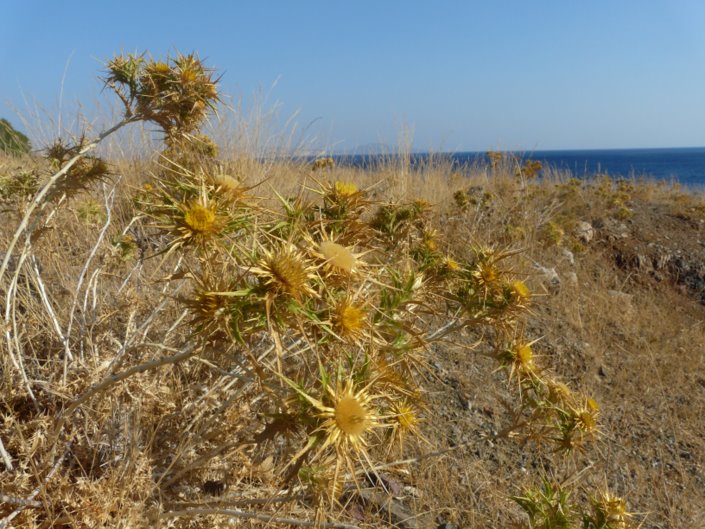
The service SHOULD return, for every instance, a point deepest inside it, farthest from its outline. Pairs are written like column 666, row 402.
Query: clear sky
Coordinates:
column 464, row 75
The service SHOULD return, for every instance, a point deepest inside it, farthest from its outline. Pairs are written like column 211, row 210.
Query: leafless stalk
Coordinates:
column 45, row 299
column 109, row 199
column 5, row 457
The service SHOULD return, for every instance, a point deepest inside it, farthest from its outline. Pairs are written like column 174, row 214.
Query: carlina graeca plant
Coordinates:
column 298, row 346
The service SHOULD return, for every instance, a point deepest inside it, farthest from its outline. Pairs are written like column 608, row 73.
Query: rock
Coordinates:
column 568, row 255
column 395, row 511
column 551, row 279
column 644, row 263
column 584, row 232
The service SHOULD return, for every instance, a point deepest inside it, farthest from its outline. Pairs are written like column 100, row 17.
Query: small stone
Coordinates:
column 447, row 525
column 584, row 232
column 552, row 279
column 568, row 255
column 643, row 262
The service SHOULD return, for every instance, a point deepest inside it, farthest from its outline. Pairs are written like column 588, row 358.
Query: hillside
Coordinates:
column 616, row 271
column 206, row 337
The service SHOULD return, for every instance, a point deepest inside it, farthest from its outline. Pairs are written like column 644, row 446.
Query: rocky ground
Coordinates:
column 623, row 319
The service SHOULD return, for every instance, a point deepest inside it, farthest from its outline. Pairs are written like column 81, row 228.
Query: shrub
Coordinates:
column 13, row 141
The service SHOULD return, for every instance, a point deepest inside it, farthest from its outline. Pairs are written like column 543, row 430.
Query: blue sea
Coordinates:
column 683, row 165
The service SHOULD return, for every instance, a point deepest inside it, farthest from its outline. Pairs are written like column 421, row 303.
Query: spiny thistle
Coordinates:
column 576, row 425
column 338, row 258
column 285, row 271
column 212, row 300
column 608, row 512
column 519, row 292
column 345, row 417
column 405, row 422
column 199, row 223
column 349, row 319
column 176, row 94
column 323, row 163
column 548, row 507
column 81, row 176
column 228, row 187
column 585, row 417
column 346, row 189
column 343, row 206
column 519, row 359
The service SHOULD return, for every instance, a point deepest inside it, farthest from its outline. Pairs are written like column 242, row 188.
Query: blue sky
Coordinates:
column 463, row 75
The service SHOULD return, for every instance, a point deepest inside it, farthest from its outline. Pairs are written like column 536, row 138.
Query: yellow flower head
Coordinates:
column 200, row 219
column 520, row 292
column 451, row 264
column 585, row 417
column 286, row 271
column 349, row 319
column 344, row 189
column 523, row 357
column 559, row 393
column 160, row 68
column 346, row 417
column 613, row 510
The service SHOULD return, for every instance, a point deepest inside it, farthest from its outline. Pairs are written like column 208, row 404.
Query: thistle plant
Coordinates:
column 305, row 327
column 551, row 506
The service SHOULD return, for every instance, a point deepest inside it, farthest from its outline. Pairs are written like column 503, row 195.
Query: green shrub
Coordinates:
column 13, row 141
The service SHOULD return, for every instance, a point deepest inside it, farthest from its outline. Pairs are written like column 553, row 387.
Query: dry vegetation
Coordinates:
column 209, row 338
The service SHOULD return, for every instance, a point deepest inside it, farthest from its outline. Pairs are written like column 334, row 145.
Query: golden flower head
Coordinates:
column 612, row 510
column 451, row 264
column 523, row 356
column 345, row 189
column 520, row 292
column 197, row 222
column 559, row 392
column 487, row 275
column 199, row 218
column 286, row 271
column 585, row 417
column 349, row 319
column 345, row 417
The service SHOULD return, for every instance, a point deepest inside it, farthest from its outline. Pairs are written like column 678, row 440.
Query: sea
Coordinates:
column 685, row 165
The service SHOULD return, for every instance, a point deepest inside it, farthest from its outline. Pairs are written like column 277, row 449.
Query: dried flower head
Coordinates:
column 610, row 512
column 338, row 257
column 286, row 271
column 229, row 186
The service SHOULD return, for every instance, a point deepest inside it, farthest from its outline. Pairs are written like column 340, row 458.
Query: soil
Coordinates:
column 630, row 332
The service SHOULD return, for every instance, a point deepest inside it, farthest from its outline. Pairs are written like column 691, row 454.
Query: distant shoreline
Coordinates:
column 686, row 165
